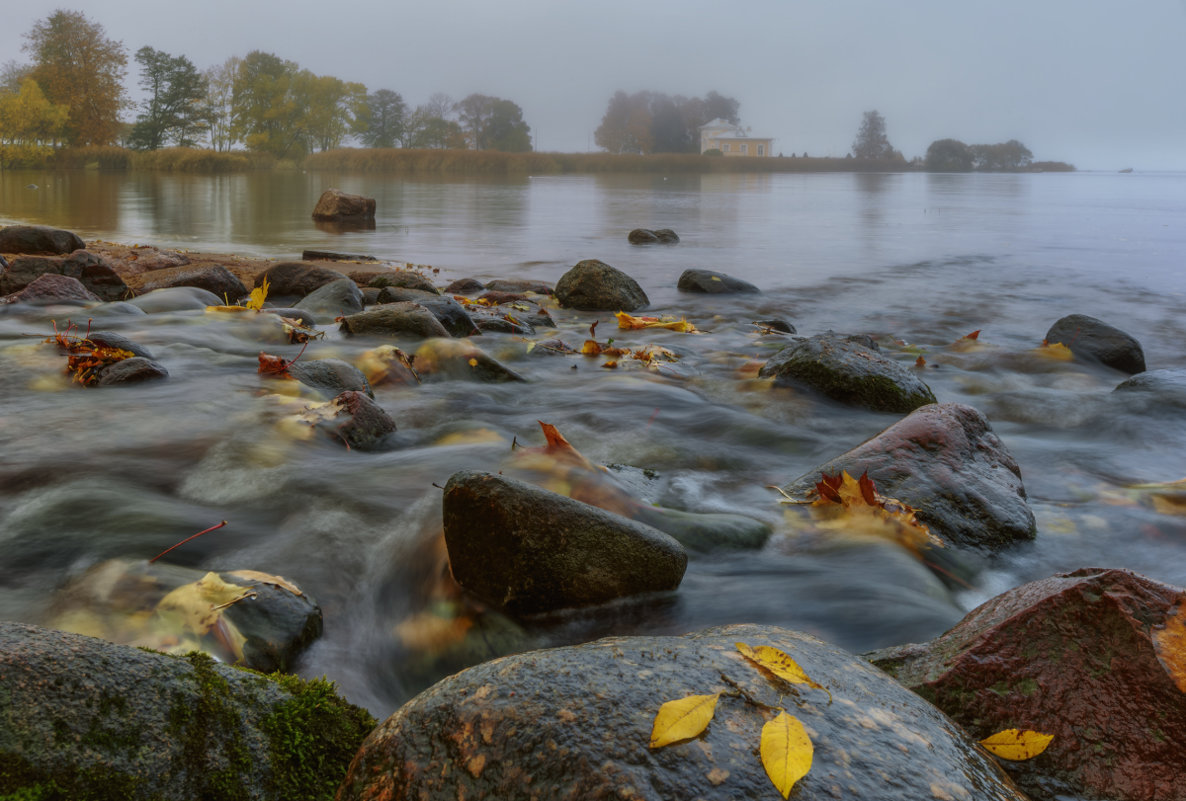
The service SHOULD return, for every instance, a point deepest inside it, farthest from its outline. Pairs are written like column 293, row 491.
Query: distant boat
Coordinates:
column 1127, row 169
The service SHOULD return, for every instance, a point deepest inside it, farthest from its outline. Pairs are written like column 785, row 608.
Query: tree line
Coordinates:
column 72, row 94
column 943, row 155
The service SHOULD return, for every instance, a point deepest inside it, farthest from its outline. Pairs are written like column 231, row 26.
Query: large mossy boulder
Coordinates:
column 848, row 370
column 1095, row 341
column 87, row 720
column 575, row 723
column 593, row 285
column 526, row 550
column 1095, row 658
column 946, row 462
column 38, row 239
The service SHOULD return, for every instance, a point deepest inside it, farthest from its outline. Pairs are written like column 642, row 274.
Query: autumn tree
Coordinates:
column 77, row 66
column 172, row 112
column 871, row 142
column 948, row 155
column 626, row 125
column 492, row 123
column 327, row 106
column 30, row 125
column 13, row 74
column 381, row 119
column 653, row 122
column 218, row 109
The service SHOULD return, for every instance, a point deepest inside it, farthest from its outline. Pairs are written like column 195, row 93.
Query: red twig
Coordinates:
column 187, row 539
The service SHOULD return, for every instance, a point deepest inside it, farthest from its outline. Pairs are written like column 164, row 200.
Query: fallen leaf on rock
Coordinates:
column 256, row 576
column 630, row 322
column 849, row 505
column 387, row 364
column 258, row 296
column 779, row 663
column 1169, row 642
column 786, row 751
column 1017, row 745
column 683, row 719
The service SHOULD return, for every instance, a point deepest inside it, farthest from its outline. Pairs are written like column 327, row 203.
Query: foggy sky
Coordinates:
column 1098, row 83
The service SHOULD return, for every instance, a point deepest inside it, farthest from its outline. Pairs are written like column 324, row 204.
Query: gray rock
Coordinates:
column 1093, row 340
column 111, row 339
column 465, row 286
column 174, row 299
column 331, row 377
column 333, row 300
column 845, row 370
column 520, row 285
column 945, row 461
column 705, row 533
column 593, row 285
column 452, row 315
column 36, row 239
column 491, row 321
column 306, row 318
column 713, row 283
column 94, row 273
column 574, row 722
column 52, row 288
column 335, row 204
column 526, row 550
column 360, row 423
column 781, row 326
column 408, row 279
column 645, row 236
column 1156, row 392
column 398, row 294
column 294, row 279
column 395, row 320
column 214, row 278
column 88, row 719
column 131, row 371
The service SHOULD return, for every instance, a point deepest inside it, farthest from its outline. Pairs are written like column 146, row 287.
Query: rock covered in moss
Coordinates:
column 575, row 722
column 1093, row 657
column 847, row 370
column 593, row 285
column 92, row 721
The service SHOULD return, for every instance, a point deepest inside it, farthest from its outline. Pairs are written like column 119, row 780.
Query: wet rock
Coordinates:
column 359, row 422
column 370, row 295
column 214, row 278
column 395, row 319
column 336, row 205
column 397, row 294
column 781, row 326
column 94, row 273
column 645, row 236
column 1093, row 340
column 593, row 285
column 452, row 315
column 713, row 283
column 460, row 360
column 465, row 286
column 38, row 239
column 331, row 377
column 493, row 321
column 294, row 279
column 329, row 255
column 519, row 285
column 332, row 300
column 527, row 551
column 408, row 279
column 497, row 298
column 388, row 364
column 705, row 533
column 1093, row 657
column 52, row 288
column 302, row 316
column 574, row 722
column 178, row 298
column 86, row 718
column 131, row 371
column 846, row 370
column 1155, row 392
column 945, row 461
column 111, row 339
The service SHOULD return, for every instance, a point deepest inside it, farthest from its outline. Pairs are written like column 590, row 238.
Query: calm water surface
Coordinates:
column 916, row 260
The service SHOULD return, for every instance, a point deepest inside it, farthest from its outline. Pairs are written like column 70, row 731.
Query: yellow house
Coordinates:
column 732, row 140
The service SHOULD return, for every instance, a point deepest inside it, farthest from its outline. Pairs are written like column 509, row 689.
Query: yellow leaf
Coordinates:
column 786, row 752
column 258, row 296
column 1017, row 745
column 1169, row 642
column 267, row 578
column 683, row 719
column 1055, row 350
column 778, row 663
column 854, row 507
column 628, row 321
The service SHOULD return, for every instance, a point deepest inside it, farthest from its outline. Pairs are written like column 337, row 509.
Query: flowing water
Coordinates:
column 916, row 260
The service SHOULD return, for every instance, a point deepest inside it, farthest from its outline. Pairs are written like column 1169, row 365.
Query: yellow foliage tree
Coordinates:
column 29, row 125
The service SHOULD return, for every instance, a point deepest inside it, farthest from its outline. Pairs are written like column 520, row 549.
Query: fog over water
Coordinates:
column 1092, row 82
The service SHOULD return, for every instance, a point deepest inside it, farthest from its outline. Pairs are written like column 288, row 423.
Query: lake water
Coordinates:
column 916, row 260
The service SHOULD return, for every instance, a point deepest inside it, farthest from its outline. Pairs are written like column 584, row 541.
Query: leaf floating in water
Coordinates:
column 779, row 663
column 1055, row 350
column 786, row 751
column 1017, row 745
column 683, row 719
column 850, row 505
column 630, row 322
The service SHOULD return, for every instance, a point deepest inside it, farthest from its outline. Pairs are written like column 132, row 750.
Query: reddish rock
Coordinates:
column 52, row 288
column 335, row 204
column 1096, row 658
column 94, row 273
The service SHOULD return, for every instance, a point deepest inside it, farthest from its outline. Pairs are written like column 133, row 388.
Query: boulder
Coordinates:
column 527, row 551
column 574, row 723
column 408, row 279
column 1093, row 657
column 335, row 204
column 645, row 236
column 332, row 300
column 87, row 719
column 945, row 461
column 845, row 369
column 711, row 282
column 94, row 273
column 460, row 360
column 38, row 239
column 1095, row 341
column 393, row 320
column 452, row 315
column 331, row 377
column 294, row 279
column 214, row 278
column 464, row 286
column 593, row 285
column 177, row 298
column 52, row 288
column 359, row 422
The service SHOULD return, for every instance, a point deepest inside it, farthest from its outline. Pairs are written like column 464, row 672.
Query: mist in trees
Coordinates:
column 492, row 123
column 872, row 142
column 952, row 155
column 653, row 122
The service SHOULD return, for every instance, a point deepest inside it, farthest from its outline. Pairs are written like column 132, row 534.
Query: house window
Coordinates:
column 761, row 150
column 744, row 149
column 724, row 147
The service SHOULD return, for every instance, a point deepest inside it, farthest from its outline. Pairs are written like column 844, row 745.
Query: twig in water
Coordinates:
column 187, row 539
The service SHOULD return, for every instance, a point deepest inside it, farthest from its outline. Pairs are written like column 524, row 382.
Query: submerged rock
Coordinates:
column 1093, row 657
column 593, row 285
column 334, row 204
column 130, row 371
column 462, row 360
column 38, row 239
column 528, row 551
column 946, row 462
column 713, row 283
column 86, row 719
column 1156, row 392
column 847, row 370
column 574, row 722
column 331, row 377
column 1093, row 340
